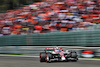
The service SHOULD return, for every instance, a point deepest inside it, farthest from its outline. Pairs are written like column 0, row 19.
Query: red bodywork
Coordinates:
column 60, row 51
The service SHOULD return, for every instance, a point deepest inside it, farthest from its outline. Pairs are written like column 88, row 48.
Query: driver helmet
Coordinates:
column 57, row 51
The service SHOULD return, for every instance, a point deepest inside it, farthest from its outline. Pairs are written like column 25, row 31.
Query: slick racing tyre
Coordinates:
column 48, row 57
column 75, row 60
column 42, row 57
column 73, row 54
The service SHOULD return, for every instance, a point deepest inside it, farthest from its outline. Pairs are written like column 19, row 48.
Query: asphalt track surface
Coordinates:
column 7, row 61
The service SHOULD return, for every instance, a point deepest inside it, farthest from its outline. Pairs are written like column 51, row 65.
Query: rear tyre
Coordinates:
column 74, row 56
column 75, row 60
column 42, row 57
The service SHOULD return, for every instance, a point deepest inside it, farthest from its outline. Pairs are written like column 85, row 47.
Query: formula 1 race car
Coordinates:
column 57, row 54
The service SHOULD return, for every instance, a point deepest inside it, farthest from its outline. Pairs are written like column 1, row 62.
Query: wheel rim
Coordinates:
column 48, row 59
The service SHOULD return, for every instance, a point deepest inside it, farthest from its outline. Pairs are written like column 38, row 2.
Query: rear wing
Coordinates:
column 49, row 48
column 52, row 48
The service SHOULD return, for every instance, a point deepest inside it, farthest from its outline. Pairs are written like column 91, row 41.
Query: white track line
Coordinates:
column 38, row 57
column 89, row 59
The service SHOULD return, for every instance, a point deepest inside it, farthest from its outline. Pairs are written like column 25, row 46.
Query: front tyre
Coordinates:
column 42, row 57
column 48, row 57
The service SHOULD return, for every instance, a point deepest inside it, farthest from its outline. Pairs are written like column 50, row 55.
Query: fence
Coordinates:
column 71, row 38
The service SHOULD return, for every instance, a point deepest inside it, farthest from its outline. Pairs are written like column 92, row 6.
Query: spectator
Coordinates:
column 42, row 17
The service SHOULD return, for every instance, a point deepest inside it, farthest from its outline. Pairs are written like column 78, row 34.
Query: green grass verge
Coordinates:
column 18, row 54
column 10, row 54
column 91, row 57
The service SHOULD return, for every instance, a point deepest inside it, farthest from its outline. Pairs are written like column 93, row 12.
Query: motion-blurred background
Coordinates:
column 25, row 24
column 14, row 4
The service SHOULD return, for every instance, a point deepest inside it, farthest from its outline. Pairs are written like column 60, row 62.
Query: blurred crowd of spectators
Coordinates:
column 49, row 16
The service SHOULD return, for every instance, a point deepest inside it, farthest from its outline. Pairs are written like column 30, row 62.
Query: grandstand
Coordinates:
column 61, row 22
